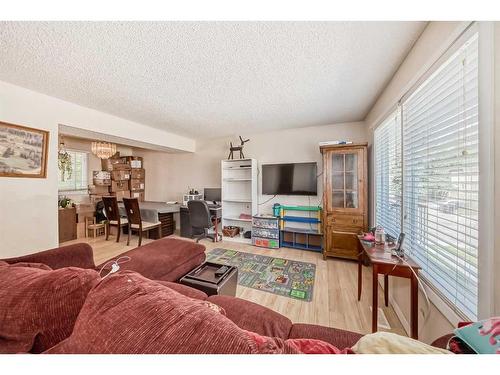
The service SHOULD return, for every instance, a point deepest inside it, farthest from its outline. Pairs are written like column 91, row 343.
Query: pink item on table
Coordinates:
column 369, row 237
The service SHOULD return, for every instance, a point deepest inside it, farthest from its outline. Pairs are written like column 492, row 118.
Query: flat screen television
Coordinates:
column 289, row 179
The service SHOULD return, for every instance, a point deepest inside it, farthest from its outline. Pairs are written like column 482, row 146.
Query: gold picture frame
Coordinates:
column 23, row 151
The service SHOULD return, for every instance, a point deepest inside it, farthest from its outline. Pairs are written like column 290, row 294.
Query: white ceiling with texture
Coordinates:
column 208, row 79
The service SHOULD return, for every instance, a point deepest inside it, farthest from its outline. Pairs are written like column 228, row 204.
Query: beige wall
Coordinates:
column 28, row 206
column 169, row 176
column 435, row 39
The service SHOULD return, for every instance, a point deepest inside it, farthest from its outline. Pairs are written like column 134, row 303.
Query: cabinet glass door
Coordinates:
column 344, row 180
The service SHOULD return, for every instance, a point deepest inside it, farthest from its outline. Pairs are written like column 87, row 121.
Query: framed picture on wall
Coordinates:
column 23, row 151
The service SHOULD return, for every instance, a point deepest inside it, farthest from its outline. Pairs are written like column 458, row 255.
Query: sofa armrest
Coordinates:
column 338, row 337
column 78, row 255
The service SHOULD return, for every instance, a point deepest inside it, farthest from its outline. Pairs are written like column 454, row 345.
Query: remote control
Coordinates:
column 221, row 271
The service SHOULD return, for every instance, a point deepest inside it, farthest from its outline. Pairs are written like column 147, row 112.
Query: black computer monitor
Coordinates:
column 212, row 194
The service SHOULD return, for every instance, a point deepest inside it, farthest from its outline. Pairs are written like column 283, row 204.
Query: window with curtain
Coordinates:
column 388, row 174
column 441, row 177
column 79, row 176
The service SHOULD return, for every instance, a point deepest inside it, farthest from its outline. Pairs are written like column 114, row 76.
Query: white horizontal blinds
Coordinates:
column 388, row 179
column 441, row 177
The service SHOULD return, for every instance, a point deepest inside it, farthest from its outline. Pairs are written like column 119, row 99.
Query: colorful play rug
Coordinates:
column 284, row 277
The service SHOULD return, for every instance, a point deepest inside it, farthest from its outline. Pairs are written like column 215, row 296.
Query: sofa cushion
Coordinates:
column 337, row 337
column 76, row 255
column 304, row 346
column 184, row 290
column 183, row 268
column 38, row 307
column 32, row 265
column 253, row 317
column 127, row 313
column 165, row 259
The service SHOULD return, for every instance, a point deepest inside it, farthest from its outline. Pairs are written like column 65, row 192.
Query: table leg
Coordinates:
column 374, row 298
column 386, row 290
column 360, row 274
column 414, row 307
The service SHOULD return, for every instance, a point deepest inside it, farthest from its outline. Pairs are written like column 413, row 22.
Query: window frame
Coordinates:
column 83, row 190
column 485, row 291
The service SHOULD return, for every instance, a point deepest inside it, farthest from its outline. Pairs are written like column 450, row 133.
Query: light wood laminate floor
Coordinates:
column 334, row 302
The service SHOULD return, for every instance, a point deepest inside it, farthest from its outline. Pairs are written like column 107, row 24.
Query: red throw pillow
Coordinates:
column 304, row 346
column 38, row 307
column 127, row 313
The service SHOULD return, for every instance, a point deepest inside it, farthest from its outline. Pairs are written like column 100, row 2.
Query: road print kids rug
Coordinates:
column 274, row 275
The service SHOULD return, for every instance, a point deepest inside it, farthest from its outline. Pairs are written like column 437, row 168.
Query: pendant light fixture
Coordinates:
column 103, row 150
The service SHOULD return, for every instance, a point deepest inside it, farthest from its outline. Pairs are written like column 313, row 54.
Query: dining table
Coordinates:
column 153, row 212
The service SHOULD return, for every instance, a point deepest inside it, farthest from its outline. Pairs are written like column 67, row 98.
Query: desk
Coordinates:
column 384, row 263
column 154, row 212
column 186, row 229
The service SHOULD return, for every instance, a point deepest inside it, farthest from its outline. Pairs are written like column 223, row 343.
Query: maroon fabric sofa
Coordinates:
column 165, row 261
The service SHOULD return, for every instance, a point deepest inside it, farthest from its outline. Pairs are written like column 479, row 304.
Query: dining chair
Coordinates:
column 135, row 221
column 113, row 215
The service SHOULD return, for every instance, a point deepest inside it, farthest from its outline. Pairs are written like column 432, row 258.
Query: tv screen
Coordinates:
column 289, row 179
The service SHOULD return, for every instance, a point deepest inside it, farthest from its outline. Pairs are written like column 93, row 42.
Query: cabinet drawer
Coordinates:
column 346, row 220
column 342, row 244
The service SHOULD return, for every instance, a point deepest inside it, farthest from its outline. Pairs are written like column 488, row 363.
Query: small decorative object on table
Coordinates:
column 379, row 235
column 65, row 202
column 239, row 148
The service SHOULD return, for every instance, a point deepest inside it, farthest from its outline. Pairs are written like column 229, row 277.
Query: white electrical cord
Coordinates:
column 426, row 313
column 115, row 265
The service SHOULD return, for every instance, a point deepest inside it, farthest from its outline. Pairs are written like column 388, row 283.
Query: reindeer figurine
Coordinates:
column 237, row 148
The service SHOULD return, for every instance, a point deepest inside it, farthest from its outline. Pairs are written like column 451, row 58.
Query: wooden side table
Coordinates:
column 203, row 278
column 67, row 224
column 386, row 264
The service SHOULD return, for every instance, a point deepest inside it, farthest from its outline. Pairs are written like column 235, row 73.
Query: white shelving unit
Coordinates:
column 239, row 195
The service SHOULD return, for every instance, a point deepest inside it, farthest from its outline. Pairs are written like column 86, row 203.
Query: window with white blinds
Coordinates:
column 441, row 178
column 388, row 174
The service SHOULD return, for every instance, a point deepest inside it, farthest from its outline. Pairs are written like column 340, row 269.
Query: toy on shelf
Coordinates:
column 266, row 231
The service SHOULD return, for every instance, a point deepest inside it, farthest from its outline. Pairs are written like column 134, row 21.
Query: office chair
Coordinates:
column 199, row 216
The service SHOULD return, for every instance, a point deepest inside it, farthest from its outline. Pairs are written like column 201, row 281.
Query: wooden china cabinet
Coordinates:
column 345, row 204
